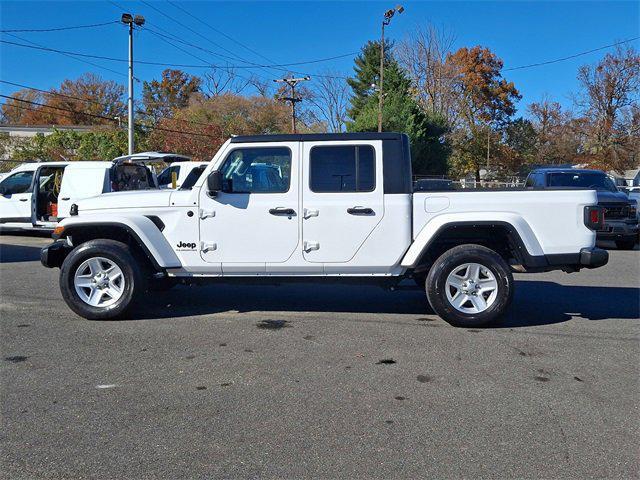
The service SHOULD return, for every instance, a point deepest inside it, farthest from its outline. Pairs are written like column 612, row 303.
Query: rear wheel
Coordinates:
column 626, row 243
column 100, row 279
column 470, row 285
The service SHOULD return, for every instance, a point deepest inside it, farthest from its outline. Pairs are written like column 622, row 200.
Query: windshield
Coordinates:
column 595, row 180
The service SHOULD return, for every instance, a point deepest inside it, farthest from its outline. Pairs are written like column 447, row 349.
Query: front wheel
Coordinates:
column 100, row 279
column 470, row 286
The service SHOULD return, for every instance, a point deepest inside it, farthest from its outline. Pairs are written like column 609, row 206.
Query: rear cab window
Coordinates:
column 342, row 168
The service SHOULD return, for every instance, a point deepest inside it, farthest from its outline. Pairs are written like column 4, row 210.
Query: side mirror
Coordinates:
column 214, row 182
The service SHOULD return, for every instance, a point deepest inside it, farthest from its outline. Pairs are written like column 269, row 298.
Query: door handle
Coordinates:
column 359, row 211
column 308, row 213
column 65, row 198
column 282, row 211
column 310, row 246
column 23, row 199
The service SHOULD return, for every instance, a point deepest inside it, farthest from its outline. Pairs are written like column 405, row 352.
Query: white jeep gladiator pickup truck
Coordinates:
column 336, row 207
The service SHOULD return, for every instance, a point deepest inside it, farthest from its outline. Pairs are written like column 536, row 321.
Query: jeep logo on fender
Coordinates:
column 186, row 246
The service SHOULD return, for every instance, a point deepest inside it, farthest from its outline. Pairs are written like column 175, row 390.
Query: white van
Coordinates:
column 39, row 194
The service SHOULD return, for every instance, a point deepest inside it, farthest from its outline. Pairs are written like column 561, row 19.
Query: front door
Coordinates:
column 254, row 220
column 342, row 199
column 15, row 197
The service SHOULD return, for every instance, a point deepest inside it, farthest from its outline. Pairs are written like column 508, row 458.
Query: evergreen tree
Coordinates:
column 400, row 111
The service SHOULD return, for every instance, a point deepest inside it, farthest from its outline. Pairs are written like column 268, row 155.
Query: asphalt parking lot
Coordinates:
column 311, row 381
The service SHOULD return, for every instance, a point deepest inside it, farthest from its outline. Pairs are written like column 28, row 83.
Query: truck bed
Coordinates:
column 548, row 221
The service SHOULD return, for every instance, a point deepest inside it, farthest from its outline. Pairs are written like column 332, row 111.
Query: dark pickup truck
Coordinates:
column 620, row 218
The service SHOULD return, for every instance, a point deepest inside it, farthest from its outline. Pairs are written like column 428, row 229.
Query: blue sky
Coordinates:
column 518, row 32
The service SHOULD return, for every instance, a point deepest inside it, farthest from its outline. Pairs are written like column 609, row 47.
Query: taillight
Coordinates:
column 594, row 217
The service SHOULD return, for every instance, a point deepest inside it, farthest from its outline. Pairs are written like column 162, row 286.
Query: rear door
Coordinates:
column 342, row 198
column 15, row 198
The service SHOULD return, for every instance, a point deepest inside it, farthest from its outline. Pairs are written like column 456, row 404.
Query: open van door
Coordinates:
column 47, row 184
column 132, row 172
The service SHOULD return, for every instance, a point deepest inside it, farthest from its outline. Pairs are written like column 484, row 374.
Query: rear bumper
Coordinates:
column 54, row 254
column 593, row 257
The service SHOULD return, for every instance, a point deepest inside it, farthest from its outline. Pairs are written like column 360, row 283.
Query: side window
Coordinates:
column 17, row 183
column 257, row 170
column 165, row 177
column 349, row 168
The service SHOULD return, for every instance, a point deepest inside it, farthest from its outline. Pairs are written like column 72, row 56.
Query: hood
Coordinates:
column 131, row 199
column 605, row 196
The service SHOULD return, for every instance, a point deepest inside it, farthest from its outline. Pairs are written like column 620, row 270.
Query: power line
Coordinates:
column 162, row 64
column 100, row 116
column 175, row 5
column 37, row 46
column 235, row 57
column 22, row 107
column 48, row 92
column 103, row 117
column 139, row 111
column 570, row 56
column 92, row 25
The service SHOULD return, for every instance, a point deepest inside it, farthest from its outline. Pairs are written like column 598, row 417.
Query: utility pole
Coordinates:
column 292, row 82
column 130, row 20
column 388, row 15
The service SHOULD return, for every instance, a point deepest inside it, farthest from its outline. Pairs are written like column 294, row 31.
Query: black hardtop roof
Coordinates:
column 565, row 170
column 317, row 137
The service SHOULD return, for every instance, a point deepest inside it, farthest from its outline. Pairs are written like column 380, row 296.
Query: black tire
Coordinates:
column 626, row 243
column 456, row 257
column 135, row 282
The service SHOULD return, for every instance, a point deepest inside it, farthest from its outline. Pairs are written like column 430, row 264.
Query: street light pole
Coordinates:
column 130, row 20
column 388, row 15
column 381, row 77
column 130, row 99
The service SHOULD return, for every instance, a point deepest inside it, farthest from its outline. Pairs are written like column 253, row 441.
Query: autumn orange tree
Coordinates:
column 87, row 100
column 199, row 129
column 172, row 92
column 484, row 103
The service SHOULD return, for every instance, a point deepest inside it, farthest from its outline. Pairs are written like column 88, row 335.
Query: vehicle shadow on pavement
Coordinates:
column 184, row 301
column 545, row 303
column 560, row 304
column 18, row 253
column 25, row 233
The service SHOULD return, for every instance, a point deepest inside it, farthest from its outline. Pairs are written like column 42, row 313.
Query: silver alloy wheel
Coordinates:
column 471, row 288
column 99, row 282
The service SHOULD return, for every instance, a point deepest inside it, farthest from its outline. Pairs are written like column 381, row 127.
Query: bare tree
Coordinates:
column 330, row 97
column 610, row 93
column 558, row 132
column 263, row 86
column 423, row 55
column 219, row 81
